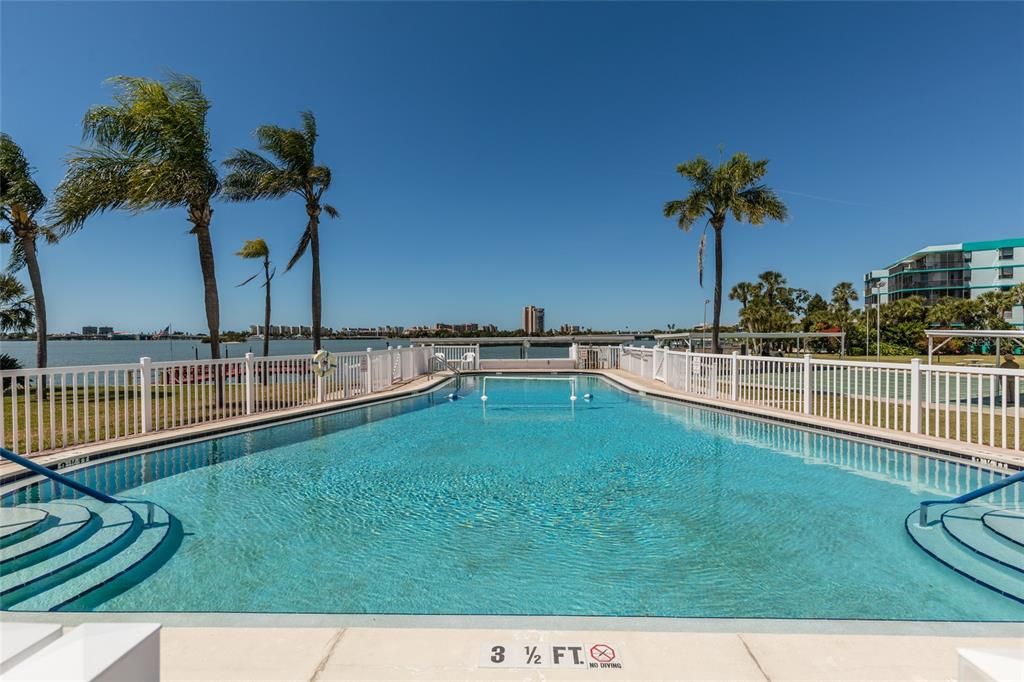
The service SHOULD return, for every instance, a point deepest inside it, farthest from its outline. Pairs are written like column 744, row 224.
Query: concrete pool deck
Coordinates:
column 321, row 654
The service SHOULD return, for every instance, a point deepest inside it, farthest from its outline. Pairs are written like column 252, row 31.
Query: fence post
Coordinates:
column 735, row 376
column 687, row 371
column 250, row 384
column 807, row 383
column 146, row 375
column 369, row 371
column 915, row 395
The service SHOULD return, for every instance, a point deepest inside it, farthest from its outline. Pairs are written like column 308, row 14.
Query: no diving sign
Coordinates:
column 521, row 654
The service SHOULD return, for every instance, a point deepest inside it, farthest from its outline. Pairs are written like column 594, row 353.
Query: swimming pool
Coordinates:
column 531, row 503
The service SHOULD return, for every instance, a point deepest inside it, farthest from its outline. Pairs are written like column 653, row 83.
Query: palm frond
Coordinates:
column 300, row 249
column 252, row 176
column 288, row 146
column 16, row 306
column 19, row 189
column 96, row 181
column 248, row 280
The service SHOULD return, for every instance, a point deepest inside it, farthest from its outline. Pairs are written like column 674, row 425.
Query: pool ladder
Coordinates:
column 444, row 362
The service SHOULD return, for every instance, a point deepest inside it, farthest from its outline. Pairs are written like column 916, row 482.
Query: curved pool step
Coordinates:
column 1006, row 524
column 118, row 546
column 965, row 525
column 936, row 540
column 73, row 523
column 160, row 538
column 17, row 523
column 119, row 527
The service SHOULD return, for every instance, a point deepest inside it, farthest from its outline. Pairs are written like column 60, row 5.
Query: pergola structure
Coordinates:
column 944, row 336
column 703, row 337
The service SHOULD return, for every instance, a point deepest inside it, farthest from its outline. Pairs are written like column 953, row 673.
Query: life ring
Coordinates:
column 322, row 363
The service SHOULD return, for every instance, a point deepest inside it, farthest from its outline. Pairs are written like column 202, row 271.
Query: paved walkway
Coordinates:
column 322, row 654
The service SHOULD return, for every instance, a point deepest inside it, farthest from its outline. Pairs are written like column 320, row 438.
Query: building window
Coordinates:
column 1006, row 252
column 1005, row 273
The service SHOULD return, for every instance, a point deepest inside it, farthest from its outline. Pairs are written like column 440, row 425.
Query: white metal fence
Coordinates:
column 978, row 405
column 59, row 407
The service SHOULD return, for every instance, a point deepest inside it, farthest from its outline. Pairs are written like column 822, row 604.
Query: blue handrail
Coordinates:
column 922, row 519
column 54, row 476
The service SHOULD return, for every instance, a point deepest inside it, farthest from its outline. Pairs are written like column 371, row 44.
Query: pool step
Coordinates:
column 72, row 523
column 111, row 548
column 961, row 542
column 1007, row 524
column 17, row 523
column 966, row 526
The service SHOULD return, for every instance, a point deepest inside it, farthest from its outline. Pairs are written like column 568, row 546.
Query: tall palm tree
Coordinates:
column 20, row 203
column 150, row 150
column 16, row 305
column 293, row 170
column 732, row 188
column 255, row 249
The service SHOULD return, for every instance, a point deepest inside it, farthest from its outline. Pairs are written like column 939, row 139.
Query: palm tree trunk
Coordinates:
column 32, row 263
column 717, row 319
column 266, row 312
column 314, row 247
column 200, row 218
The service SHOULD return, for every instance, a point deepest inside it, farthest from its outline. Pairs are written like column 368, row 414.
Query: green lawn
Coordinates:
column 106, row 413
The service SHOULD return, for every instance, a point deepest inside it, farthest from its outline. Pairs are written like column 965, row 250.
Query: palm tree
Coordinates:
column 15, row 305
column 743, row 292
column 992, row 308
column 20, row 203
column 257, row 248
column 731, row 188
column 842, row 295
column 151, row 150
column 773, row 286
column 293, row 171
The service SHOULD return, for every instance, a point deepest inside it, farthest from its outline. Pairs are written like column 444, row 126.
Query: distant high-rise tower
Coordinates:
column 533, row 320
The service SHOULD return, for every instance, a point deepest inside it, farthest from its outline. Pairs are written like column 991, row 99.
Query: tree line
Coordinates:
column 150, row 149
column 771, row 305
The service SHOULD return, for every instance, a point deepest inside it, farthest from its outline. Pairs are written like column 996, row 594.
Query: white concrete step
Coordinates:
column 96, row 652
column 18, row 641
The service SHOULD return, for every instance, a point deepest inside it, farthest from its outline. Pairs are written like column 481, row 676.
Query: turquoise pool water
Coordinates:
column 532, row 504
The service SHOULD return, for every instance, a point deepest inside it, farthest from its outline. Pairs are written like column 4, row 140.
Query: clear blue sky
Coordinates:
column 487, row 156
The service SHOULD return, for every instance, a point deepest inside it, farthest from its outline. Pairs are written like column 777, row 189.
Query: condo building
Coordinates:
column 533, row 320
column 965, row 270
